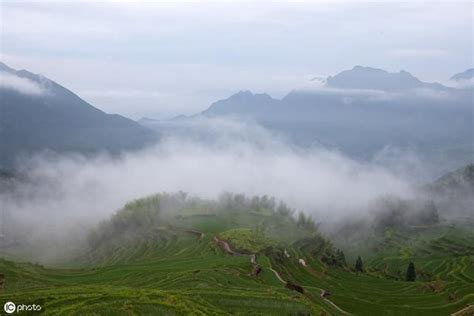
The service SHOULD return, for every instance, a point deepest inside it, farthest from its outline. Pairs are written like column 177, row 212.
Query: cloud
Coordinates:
column 180, row 48
column 320, row 87
column 19, row 84
column 76, row 192
column 427, row 93
column 417, row 53
column 461, row 84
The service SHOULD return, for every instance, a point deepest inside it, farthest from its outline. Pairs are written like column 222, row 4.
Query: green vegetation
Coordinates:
column 411, row 273
column 158, row 255
column 359, row 265
column 245, row 240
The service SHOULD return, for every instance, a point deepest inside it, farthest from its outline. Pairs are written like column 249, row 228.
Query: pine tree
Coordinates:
column 411, row 273
column 359, row 266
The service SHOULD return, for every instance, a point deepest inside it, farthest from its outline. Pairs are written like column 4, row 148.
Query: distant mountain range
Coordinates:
column 369, row 78
column 36, row 114
column 361, row 111
column 465, row 75
column 361, row 85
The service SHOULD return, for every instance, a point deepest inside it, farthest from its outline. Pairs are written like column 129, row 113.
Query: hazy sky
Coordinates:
column 166, row 58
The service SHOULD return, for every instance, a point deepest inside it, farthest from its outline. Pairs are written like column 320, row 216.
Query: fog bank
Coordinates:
column 64, row 196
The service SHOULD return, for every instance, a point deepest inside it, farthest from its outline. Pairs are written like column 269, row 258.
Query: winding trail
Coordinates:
column 278, row 276
column 228, row 249
column 323, row 293
column 469, row 308
column 225, row 245
column 256, row 268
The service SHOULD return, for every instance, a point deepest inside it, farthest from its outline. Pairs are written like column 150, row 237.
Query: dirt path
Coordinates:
column 465, row 311
column 225, row 245
column 278, row 276
column 227, row 248
column 256, row 268
column 323, row 293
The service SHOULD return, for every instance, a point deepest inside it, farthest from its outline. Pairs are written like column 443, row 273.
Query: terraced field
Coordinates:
column 186, row 275
column 177, row 267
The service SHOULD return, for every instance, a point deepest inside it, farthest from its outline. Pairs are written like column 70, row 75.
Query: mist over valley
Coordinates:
column 180, row 164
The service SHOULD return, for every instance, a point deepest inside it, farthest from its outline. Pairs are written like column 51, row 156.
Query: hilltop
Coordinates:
column 174, row 254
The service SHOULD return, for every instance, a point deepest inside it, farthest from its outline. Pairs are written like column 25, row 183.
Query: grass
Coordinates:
column 188, row 276
column 159, row 268
column 245, row 240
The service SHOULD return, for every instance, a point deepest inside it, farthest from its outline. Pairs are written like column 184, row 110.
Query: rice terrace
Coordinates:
column 203, row 157
column 202, row 258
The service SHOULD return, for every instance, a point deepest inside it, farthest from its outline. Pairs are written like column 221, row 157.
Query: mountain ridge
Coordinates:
column 39, row 114
column 363, row 120
column 465, row 75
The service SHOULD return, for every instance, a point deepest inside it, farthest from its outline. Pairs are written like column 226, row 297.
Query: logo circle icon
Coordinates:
column 9, row 307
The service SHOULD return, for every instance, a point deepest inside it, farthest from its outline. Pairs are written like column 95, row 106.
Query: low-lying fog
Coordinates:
column 64, row 196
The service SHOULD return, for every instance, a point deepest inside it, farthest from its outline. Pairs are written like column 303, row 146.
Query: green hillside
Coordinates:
column 171, row 254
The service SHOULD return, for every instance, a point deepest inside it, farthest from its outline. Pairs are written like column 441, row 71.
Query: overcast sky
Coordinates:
column 164, row 59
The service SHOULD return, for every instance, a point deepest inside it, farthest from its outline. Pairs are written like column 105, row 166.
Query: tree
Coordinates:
column 341, row 258
column 310, row 223
column 301, row 219
column 359, row 265
column 283, row 209
column 255, row 203
column 411, row 273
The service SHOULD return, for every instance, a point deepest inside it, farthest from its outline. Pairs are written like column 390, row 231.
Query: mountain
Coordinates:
column 465, row 75
column 366, row 86
column 38, row 114
column 456, row 184
column 363, row 110
column 369, row 78
column 454, row 191
column 361, row 77
column 243, row 102
column 460, row 178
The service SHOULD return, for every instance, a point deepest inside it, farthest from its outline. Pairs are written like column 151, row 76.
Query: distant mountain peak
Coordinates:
column 241, row 101
column 320, row 79
column 363, row 77
column 244, row 93
column 5, row 67
column 22, row 73
column 465, row 75
column 39, row 114
column 367, row 68
column 248, row 95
